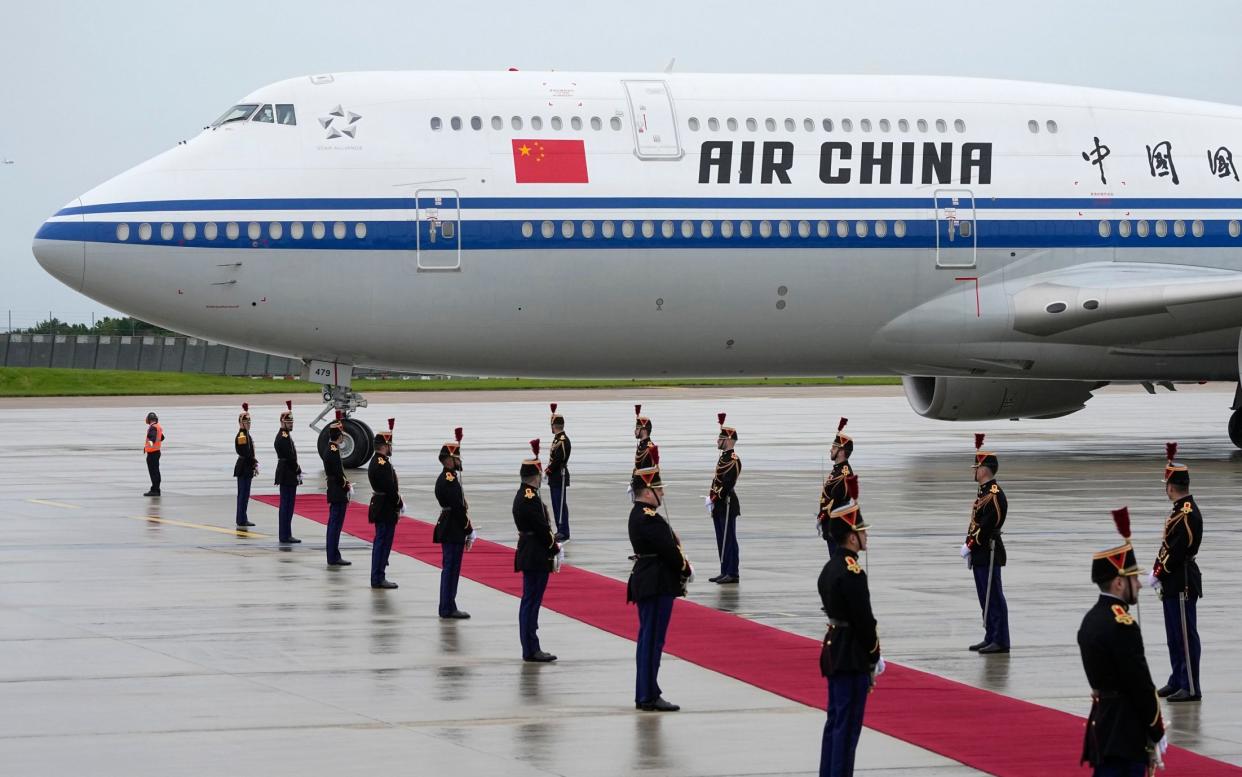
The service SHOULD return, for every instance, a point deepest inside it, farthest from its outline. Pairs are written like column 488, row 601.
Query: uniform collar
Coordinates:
column 984, row 488
column 1111, row 600
column 847, row 552
column 1188, row 499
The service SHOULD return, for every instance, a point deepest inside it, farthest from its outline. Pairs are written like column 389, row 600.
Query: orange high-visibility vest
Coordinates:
column 153, row 446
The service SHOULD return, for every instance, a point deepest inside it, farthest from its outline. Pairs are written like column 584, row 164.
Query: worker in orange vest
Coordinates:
column 151, row 447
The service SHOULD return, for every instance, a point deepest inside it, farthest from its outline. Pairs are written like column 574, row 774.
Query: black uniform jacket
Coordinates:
column 1175, row 563
column 660, row 568
column 453, row 526
column 852, row 643
column 1125, row 711
column 334, row 474
column 642, row 454
column 834, row 493
column 728, row 467
column 987, row 519
column 287, row 469
column 243, row 443
column 385, row 494
column 536, row 541
column 558, row 459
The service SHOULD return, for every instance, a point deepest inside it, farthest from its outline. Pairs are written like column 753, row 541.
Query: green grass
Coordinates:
column 51, row 382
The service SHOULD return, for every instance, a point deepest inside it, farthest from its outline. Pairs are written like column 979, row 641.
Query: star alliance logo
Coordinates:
column 340, row 123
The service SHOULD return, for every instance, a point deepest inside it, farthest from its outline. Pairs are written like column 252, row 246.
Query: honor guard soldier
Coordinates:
column 339, row 489
column 984, row 551
column 723, row 505
column 1178, row 581
column 558, row 475
column 642, row 432
column 1125, row 731
column 247, row 465
column 660, row 574
column 833, row 493
column 850, row 655
column 536, row 553
column 386, row 506
column 453, row 531
column 151, row 446
column 288, row 473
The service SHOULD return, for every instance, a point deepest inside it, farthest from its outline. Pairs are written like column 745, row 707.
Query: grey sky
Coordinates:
column 91, row 89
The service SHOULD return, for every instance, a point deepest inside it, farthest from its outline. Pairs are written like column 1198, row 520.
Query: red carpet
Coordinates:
column 985, row 730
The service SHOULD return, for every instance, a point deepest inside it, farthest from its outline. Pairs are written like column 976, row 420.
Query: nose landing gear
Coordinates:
column 358, row 443
column 1235, row 420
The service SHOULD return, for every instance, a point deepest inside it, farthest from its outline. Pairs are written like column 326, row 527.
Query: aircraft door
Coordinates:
column 655, row 121
column 437, row 229
column 956, row 239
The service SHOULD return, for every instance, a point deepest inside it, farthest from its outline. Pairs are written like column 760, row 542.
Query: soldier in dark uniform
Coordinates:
column 984, row 551
column 453, row 531
column 247, row 465
column 386, row 506
column 1125, row 731
column 558, row 475
column 288, row 473
column 1177, row 579
column 152, row 445
column 536, row 550
column 642, row 433
column 660, row 574
column 850, row 656
column 723, row 504
column 339, row 489
column 833, row 493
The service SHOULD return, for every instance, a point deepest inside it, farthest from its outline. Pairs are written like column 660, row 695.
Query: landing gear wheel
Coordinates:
column 1235, row 428
column 356, row 445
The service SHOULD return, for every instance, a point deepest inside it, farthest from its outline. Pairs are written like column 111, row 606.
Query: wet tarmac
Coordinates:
column 143, row 636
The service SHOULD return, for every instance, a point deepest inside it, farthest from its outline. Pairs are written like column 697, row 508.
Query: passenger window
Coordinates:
column 536, row 123
column 455, row 123
column 576, row 122
column 547, row 229
column 528, row 229
column 752, row 125
column 596, row 124
column 286, row 115
column 556, row 122
column 726, row 229
column 436, row 124
column 732, row 125
column 498, row 123
column 516, row 122
column 822, row 229
column 588, row 229
column 265, row 115
column 608, row 230
column 615, row 123
column 476, row 123
column 744, row 229
column 865, row 125
column 713, row 124
column 627, row 229
column 790, row 126
column 666, row 229
column 693, row 124
column 881, row 229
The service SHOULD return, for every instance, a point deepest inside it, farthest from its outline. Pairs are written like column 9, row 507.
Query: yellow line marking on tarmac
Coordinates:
column 50, row 503
column 205, row 527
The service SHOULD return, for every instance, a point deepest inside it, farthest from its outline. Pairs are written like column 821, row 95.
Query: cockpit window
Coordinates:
column 285, row 115
column 236, row 113
column 265, row 115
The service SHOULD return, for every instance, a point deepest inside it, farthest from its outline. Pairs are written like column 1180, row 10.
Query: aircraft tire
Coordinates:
column 357, row 450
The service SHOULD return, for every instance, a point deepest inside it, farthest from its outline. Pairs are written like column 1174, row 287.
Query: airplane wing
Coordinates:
column 1148, row 300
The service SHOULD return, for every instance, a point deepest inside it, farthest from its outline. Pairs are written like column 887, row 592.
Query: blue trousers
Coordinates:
column 287, row 495
column 1177, row 648
column 533, row 586
column 847, row 699
column 560, row 505
column 654, row 615
column 996, row 624
column 384, row 534
column 243, row 499
column 336, row 521
column 1121, row 769
column 450, row 573
column 724, row 519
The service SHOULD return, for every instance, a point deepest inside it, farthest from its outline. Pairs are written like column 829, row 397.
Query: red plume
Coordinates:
column 638, row 410
column 340, row 414
column 841, row 424
column 655, row 455
column 720, row 417
column 457, row 434
column 245, row 407
column 1170, row 450
column 534, row 447
column 553, row 406
column 851, row 486
column 978, row 441
column 1121, row 517
column 392, row 422
column 289, row 404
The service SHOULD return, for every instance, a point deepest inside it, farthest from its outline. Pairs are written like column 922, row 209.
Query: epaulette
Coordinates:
column 332, row 447
column 381, row 461
column 529, row 493
column 449, row 477
column 733, row 455
column 1121, row 616
column 845, row 470
column 283, row 433
column 1188, row 508
column 851, row 564
column 241, row 438
column 649, row 511
column 995, row 489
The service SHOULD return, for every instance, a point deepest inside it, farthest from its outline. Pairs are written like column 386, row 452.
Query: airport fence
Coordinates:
column 146, row 353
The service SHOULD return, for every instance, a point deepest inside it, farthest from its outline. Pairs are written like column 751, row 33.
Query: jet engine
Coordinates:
column 987, row 399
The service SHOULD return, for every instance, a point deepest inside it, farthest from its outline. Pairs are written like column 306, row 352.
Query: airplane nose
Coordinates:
column 60, row 251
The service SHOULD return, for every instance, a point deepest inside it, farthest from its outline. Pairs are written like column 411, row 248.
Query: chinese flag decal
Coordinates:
column 549, row 161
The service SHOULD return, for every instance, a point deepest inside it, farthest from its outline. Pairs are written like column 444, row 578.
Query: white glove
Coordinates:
column 1162, row 746
column 879, row 667
column 965, row 550
column 1149, row 580
column 470, row 538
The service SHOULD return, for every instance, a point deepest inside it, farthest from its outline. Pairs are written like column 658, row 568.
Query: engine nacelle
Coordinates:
column 989, row 399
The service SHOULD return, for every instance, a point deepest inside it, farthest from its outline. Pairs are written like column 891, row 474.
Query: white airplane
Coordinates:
column 1005, row 247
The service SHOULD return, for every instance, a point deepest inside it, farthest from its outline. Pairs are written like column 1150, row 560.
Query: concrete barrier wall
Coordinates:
column 152, row 354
